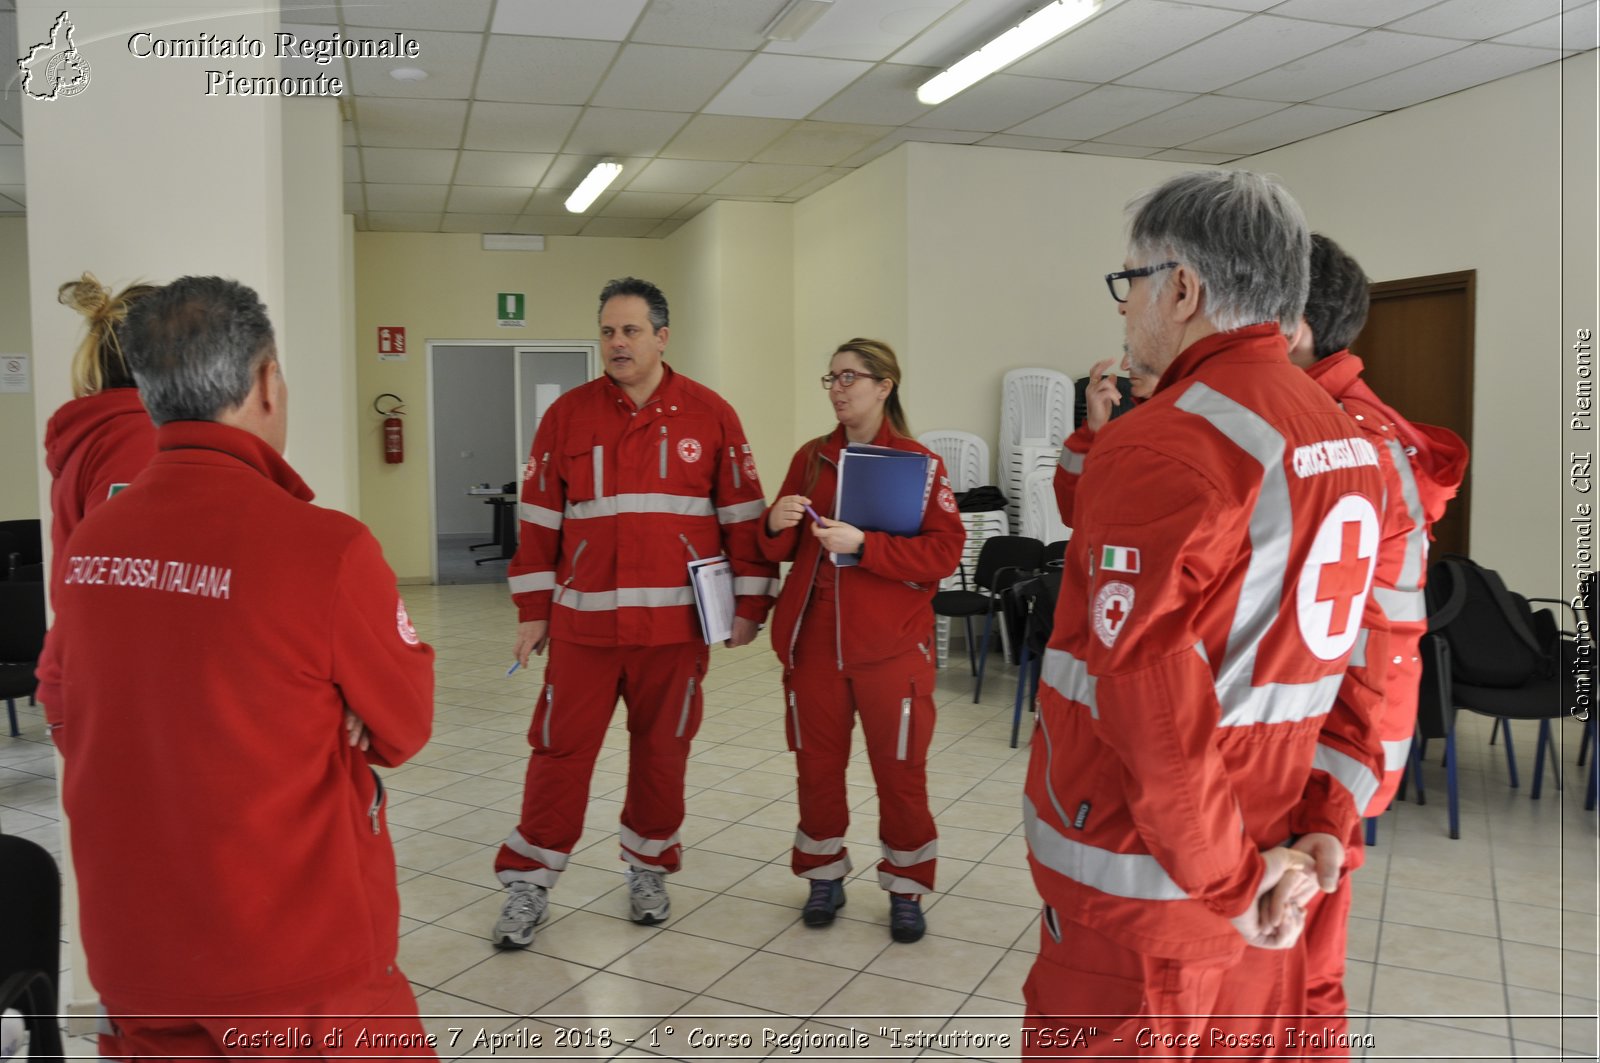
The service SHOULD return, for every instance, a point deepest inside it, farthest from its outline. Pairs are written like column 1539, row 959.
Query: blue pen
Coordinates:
column 513, row 669
column 813, row 515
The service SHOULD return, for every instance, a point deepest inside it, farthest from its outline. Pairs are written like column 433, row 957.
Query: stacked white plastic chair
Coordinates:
column 966, row 457
column 1041, row 517
column 1035, row 417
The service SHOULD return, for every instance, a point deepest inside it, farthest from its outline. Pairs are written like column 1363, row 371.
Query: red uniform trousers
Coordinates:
column 1136, row 1004
column 377, row 1019
column 1326, row 940
column 660, row 685
column 894, row 700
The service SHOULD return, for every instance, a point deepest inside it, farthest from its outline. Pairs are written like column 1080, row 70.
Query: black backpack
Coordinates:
column 1496, row 639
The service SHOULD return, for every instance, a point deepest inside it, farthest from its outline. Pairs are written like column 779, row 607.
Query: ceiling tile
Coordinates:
column 1237, row 52
column 383, row 123
column 542, row 70
column 16, row 192
column 725, row 138
column 396, row 222
column 1275, row 130
column 466, row 200
column 762, row 179
column 1008, row 140
column 11, row 206
column 9, row 137
column 885, row 95
column 422, row 166
column 354, row 197
column 352, row 163
column 695, row 206
column 1099, row 111
column 864, row 29
column 567, row 170
column 784, row 86
column 1000, row 102
column 1200, row 117
column 666, row 228
column 1120, row 150
column 680, row 175
column 324, row 12
column 1199, row 158
column 519, row 126
column 658, row 78
column 1573, row 30
column 708, row 23
column 1472, row 65
column 451, row 60
column 625, row 227
column 1347, row 63
column 469, row 15
column 1351, row 12
column 550, row 224
column 607, row 131
column 817, row 183
column 478, row 223
column 550, row 202
column 1131, row 35
column 298, row 67
column 604, row 20
column 1476, row 20
column 911, row 133
column 506, row 169
column 412, row 198
column 1237, row 5
column 961, row 32
column 646, row 204
column 820, row 143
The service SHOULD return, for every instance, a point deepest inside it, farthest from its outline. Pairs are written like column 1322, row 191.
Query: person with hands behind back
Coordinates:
column 855, row 641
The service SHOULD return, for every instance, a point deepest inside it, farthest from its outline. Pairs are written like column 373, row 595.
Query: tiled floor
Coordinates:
column 1479, row 948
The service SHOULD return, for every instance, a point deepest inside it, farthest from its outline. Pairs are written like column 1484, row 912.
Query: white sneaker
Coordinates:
column 647, row 895
column 525, row 908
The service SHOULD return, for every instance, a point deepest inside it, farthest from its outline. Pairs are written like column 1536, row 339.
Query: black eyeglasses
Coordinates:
column 845, row 379
column 1122, row 281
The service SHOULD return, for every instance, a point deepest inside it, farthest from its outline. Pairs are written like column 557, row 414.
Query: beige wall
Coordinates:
column 20, row 433
column 443, row 287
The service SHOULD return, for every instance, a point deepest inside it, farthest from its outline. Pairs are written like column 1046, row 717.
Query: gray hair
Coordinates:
column 1241, row 232
column 652, row 296
column 194, row 347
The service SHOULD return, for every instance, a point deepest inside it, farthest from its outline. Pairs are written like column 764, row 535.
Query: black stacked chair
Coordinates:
column 1038, row 596
column 21, row 640
column 1003, row 560
column 21, row 543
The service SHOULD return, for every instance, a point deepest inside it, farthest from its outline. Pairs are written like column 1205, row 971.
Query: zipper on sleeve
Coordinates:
column 549, row 711
column 543, row 465
column 794, row 718
column 688, row 546
column 733, row 459
column 688, row 700
column 905, row 729
column 377, row 802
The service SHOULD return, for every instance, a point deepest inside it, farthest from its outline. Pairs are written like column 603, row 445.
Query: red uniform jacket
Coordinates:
column 211, row 628
column 1211, row 609
column 616, row 501
column 1423, row 466
column 91, row 445
column 884, row 604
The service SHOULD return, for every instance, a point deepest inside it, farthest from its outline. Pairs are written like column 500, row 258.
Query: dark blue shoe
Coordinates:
column 906, row 923
column 827, row 897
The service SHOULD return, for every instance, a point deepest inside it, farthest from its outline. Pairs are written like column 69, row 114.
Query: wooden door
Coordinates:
column 1418, row 351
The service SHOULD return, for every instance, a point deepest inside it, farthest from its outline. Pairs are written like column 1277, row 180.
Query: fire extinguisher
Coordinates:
column 394, row 436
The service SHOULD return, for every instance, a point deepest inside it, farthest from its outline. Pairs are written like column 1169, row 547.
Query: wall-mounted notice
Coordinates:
column 14, row 376
column 511, row 309
column 391, row 343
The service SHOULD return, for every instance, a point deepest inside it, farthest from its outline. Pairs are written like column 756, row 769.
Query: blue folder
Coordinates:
column 882, row 489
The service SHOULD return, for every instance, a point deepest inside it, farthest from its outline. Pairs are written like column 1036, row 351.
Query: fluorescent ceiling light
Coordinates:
column 793, row 21
column 1033, row 33
column 590, row 187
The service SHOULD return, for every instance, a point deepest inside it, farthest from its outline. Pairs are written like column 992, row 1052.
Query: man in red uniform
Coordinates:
column 1422, row 467
column 632, row 476
column 1214, row 594
column 226, row 662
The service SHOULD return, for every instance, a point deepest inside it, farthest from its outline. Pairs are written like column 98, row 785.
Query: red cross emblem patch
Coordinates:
column 689, row 450
column 1337, row 576
column 1112, row 604
column 402, row 623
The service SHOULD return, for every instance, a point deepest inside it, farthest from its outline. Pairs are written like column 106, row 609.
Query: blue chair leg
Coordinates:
column 1372, row 831
column 1538, row 760
column 1495, row 730
column 1511, row 758
column 1414, row 768
column 1451, row 785
column 11, row 711
column 972, row 649
column 1022, row 682
column 983, row 655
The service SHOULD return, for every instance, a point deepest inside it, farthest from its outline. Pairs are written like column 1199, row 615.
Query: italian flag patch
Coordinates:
column 1119, row 559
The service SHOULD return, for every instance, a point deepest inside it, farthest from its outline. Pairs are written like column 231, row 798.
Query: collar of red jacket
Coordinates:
column 1264, row 342
column 668, row 385
column 1337, row 371
column 836, row 439
column 176, row 437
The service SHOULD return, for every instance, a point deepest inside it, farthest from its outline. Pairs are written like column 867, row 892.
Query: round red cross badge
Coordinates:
column 750, row 468
column 1112, row 604
column 689, row 450
column 403, row 623
column 1337, row 576
column 947, row 500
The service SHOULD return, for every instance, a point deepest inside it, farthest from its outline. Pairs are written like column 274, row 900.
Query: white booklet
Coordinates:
column 712, row 580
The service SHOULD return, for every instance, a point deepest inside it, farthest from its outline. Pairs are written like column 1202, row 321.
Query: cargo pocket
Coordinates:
column 539, row 732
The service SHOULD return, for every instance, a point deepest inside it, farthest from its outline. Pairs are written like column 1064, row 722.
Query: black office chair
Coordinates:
column 1039, row 597
column 30, row 945
column 1002, row 560
column 21, row 640
column 21, row 543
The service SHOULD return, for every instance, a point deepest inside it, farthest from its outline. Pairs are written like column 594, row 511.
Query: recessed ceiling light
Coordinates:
column 409, row 73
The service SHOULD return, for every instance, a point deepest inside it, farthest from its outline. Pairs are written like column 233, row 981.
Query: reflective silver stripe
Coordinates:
column 539, row 877
column 911, row 857
column 896, row 884
column 626, row 597
column 544, row 518
column 740, row 512
column 549, row 711
column 1271, row 533
column 1071, row 461
column 1358, row 652
column 1049, row 758
column 1401, row 605
column 599, row 472
column 1395, row 754
column 1353, row 775
column 1416, row 555
column 905, row 729
column 548, row 857
column 532, row 581
column 832, row 869
column 758, row 585
column 1069, row 677
column 647, row 502
column 639, row 845
column 688, row 700
column 1134, row 875
column 1280, row 702
column 805, row 843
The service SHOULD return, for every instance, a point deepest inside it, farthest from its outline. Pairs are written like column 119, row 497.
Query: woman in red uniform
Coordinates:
column 856, row 642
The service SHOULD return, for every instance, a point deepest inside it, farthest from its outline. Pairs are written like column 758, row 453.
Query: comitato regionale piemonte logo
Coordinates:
column 55, row 68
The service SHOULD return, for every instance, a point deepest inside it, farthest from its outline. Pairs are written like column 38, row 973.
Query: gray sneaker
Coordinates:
column 647, row 895
column 525, row 908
